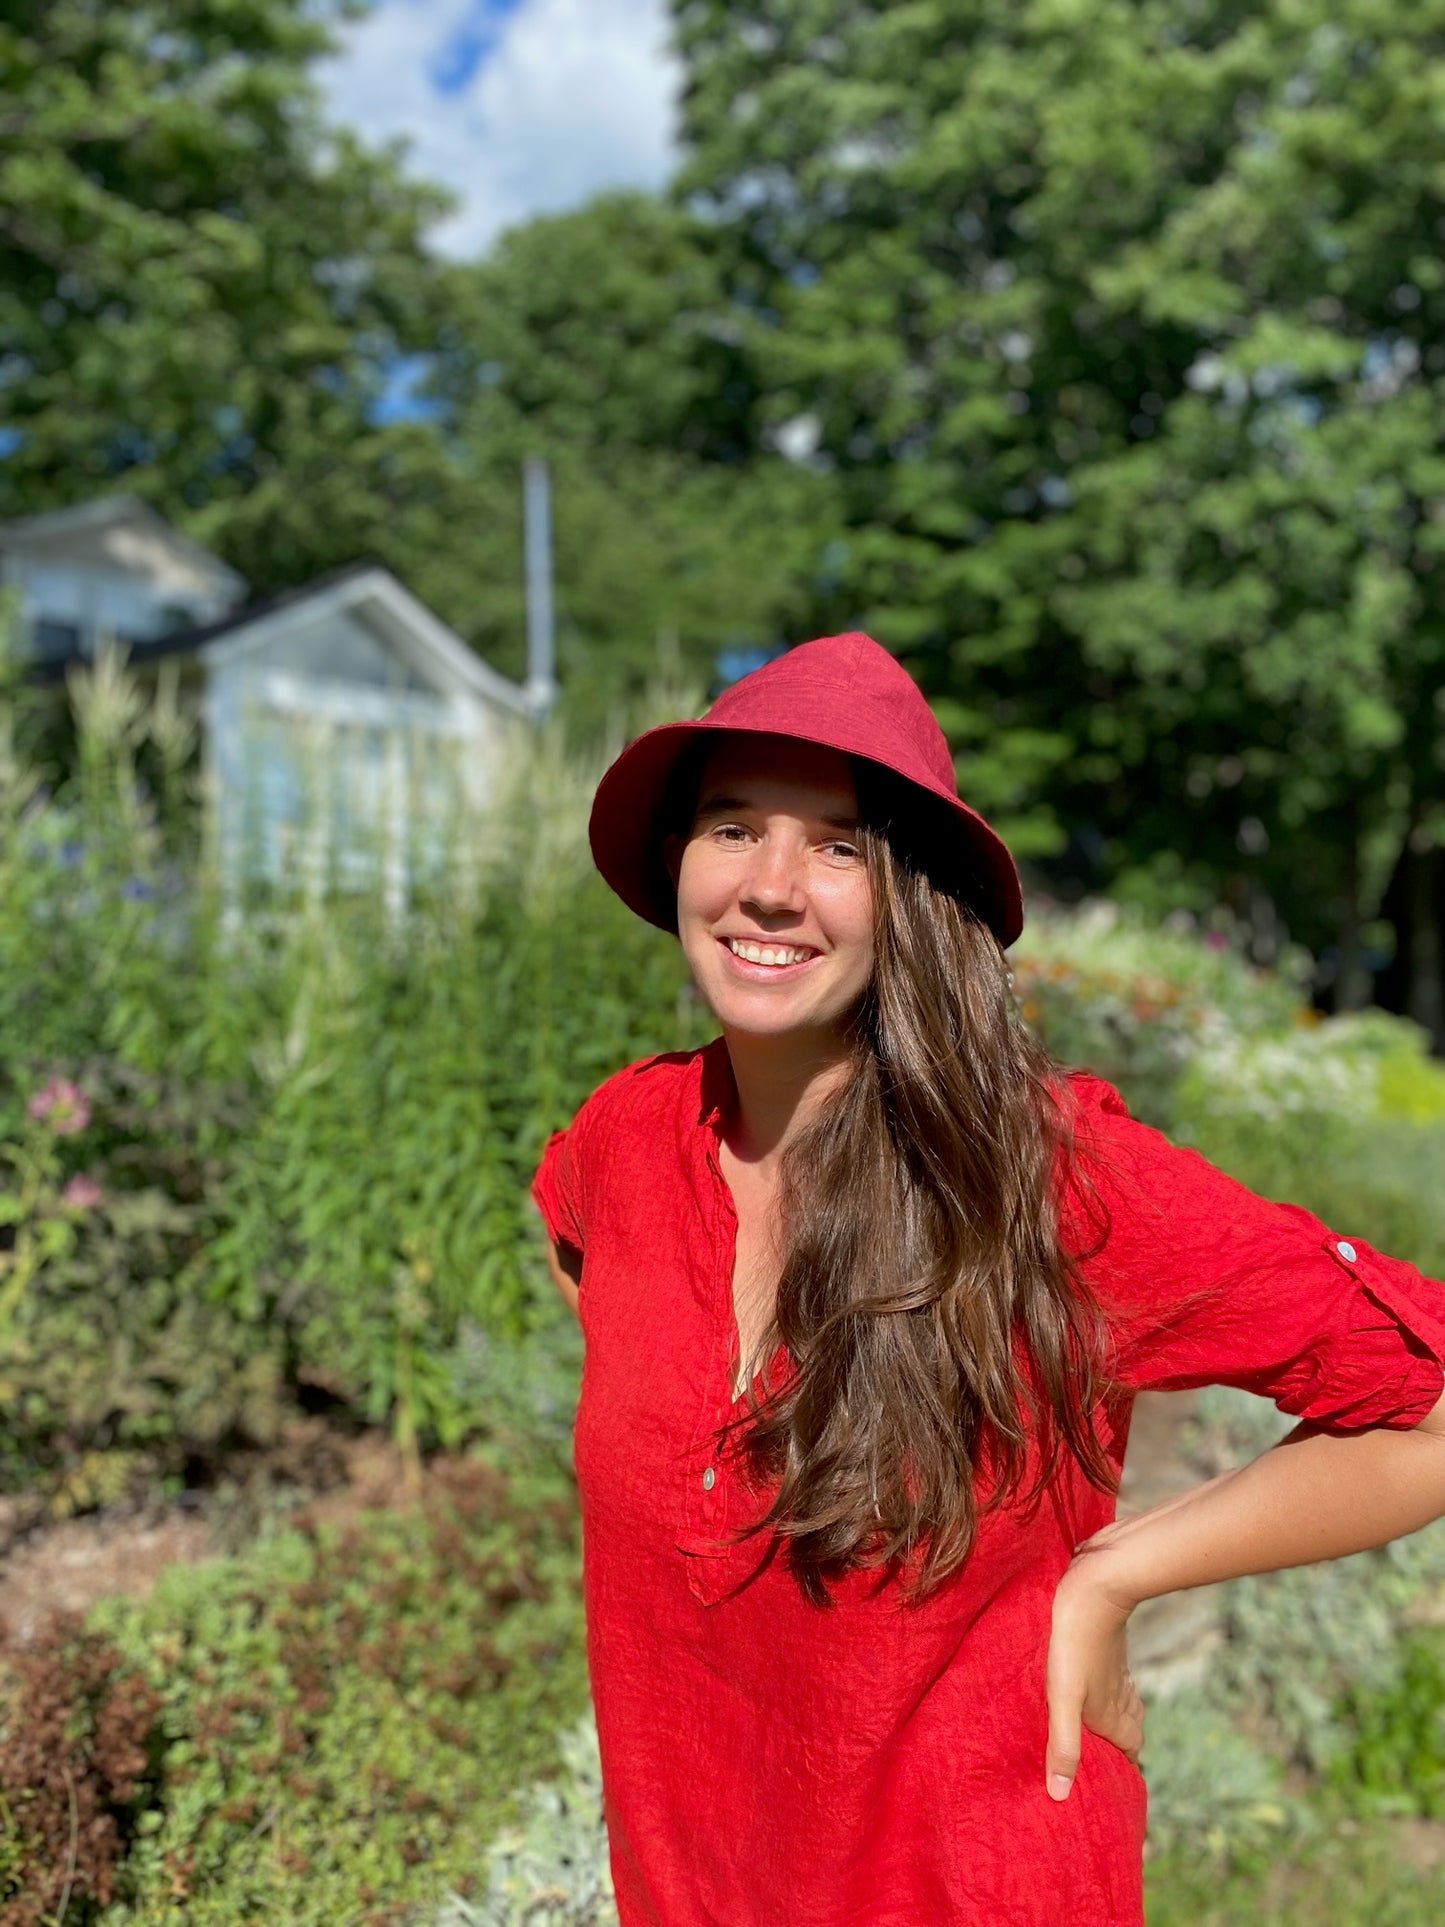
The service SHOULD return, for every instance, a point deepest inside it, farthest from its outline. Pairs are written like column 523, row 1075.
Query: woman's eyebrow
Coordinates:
column 724, row 805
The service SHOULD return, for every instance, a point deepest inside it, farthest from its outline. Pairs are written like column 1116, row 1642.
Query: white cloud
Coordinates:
column 572, row 96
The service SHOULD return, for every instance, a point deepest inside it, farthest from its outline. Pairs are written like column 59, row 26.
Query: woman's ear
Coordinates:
column 672, row 847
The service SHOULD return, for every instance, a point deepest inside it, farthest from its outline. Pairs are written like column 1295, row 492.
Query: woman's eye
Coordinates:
column 847, row 850
column 730, row 832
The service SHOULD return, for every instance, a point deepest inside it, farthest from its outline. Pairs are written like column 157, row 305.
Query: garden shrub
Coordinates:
column 1334, row 1873
column 1344, row 1115
column 78, row 1733
column 310, row 1126
column 1300, row 1644
column 552, row 1868
column 1136, row 1003
column 1212, row 1787
column 347, row 1711
column 114, row 1359
column 302, row 1177
column 1395, row 1759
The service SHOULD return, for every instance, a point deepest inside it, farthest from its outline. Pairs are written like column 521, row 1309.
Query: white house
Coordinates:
column 109, row 568
column 346, row 730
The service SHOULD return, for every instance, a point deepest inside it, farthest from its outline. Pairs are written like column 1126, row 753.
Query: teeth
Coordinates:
column 767, row 953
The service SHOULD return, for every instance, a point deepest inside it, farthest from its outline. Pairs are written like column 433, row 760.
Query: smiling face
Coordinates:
column 774, row 904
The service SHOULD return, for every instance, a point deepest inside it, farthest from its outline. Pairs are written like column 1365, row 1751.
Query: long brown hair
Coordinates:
column 939, row 1333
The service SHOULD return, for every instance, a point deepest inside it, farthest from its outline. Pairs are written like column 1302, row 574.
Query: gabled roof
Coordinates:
column 368, row 588
column 106, row 511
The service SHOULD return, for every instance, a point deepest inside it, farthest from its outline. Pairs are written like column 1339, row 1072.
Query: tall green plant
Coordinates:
column 332, row 1109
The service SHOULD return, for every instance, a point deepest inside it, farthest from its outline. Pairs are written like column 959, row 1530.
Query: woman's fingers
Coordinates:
column 1061, row 1760
column 1119, row 1720
column 1065, row 1690
column 1131, row 1727
column 1087, row 1682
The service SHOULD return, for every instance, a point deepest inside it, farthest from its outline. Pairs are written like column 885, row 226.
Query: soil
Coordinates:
column 66, row 1567
column 1420, row 1843
column 313, row 1472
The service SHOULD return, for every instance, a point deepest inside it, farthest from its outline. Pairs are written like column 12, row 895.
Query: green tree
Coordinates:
column 604, row 340
column 1273, row 562
column 1118, row 324
column 204, row 289
column 875, row 167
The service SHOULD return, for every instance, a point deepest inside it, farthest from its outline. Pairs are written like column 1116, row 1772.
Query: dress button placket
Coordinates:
column 705, row 1508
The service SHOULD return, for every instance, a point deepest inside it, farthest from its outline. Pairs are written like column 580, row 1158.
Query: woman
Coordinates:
column 867, row 1287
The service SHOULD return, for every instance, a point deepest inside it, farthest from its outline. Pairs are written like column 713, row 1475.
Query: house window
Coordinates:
column 55, row 641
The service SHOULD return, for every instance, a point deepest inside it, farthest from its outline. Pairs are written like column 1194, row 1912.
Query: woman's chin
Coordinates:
column 766, row 1014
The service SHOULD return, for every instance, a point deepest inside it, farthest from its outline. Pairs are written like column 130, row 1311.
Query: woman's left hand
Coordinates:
column 1088, row 1679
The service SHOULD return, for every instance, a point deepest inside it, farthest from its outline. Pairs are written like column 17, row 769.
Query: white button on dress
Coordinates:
column 1347, row 1251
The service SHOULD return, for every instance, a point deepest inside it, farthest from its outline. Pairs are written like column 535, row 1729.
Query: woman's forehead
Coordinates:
column 759, row 768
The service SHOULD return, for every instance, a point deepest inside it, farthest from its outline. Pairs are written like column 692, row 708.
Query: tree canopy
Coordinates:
column 208, row 294
column 1119, row 328
column 202, row 286
column 604, row 340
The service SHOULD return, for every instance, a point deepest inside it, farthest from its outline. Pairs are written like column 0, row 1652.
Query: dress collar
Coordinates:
column 717, row 1089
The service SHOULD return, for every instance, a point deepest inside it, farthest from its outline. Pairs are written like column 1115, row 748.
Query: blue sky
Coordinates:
column 520, row 106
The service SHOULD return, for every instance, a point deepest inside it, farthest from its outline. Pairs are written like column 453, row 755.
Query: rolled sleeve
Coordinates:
column 557, row 1189
column 1205, row 1283
column 1390, row 1368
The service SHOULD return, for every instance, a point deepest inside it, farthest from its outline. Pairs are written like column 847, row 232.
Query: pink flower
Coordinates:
column 60, row 1104
column 82, row 1193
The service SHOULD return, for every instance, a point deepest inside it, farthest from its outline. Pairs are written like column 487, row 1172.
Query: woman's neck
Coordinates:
column 780, row 1083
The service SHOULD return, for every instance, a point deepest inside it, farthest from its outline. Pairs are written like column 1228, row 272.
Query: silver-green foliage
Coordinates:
column 1209, row 1784
column 1299, row 1648
column 551, row 1869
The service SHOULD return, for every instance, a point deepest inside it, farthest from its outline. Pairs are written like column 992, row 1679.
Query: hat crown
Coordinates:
column 843, row 692
column 877, row 686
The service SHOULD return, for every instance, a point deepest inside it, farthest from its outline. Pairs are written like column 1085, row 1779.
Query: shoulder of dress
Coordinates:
column 647, row 1085
column 1083, row 1095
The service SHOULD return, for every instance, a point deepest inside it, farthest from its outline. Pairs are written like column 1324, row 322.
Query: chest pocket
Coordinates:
column 719, row 1562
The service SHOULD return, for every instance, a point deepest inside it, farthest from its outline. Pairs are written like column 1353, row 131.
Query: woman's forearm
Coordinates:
column 1313, row 1496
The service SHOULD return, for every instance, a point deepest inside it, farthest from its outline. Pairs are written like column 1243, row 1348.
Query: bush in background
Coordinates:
column 309, row 1124
column 78, row 1746
column 308, row 1128
column 347, row 1710
column 552, row 1868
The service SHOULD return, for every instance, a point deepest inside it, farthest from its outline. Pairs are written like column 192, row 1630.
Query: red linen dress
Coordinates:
column 768, row 1763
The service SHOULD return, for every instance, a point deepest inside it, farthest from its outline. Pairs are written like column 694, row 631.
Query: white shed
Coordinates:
column 110, row 568
column 347, row 732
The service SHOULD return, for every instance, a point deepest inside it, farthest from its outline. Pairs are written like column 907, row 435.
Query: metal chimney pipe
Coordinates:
column 541, row 686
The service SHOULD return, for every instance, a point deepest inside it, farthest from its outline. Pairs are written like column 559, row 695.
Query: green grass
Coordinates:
column 1352, row 1874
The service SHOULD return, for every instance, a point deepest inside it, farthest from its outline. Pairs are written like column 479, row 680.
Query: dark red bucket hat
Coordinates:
column 847, row 693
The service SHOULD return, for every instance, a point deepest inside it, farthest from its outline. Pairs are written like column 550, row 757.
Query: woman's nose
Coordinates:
column 775, row 878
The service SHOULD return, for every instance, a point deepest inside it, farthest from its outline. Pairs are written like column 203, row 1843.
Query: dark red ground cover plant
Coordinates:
column 79, row 1737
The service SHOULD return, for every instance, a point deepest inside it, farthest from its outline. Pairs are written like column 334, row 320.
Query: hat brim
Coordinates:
column 626, row 829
